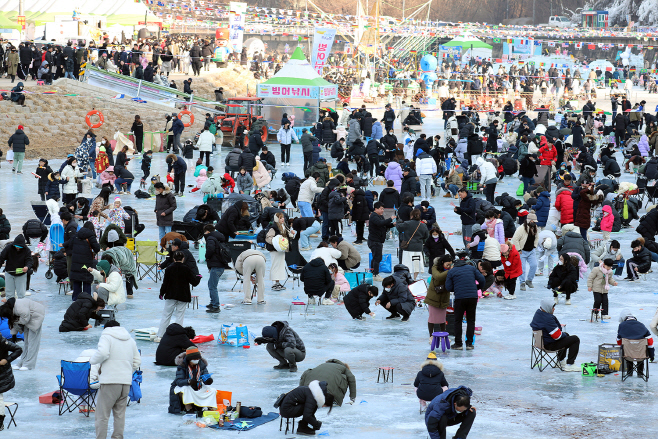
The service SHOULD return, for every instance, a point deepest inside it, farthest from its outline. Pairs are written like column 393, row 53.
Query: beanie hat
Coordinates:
column 20, row 127
column 192, row 353
column 504, row 248
column 177, row 242
column 350, row 190
column 548, row 242
column 567, row 228
column 112, row 236
column 431, row 356
column 531, row 217
column 117, row 199
column 270, row 332
column 103, row 266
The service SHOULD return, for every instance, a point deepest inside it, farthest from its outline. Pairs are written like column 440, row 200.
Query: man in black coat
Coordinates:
column 389, row 118
column 390, row 197
column 175, row 291
column 377, row 228
column 79, row 208
column 357, row 301
column 267, row 157
column 397, row 299
column 323, row 206
column 648, row 226
column 18, row 257
column 216, row 264
column 466, row 210
column 174, row 342
column 77, row 316
column 183, row 247
column 639, row 263
column 317, row 281
column 255, row 143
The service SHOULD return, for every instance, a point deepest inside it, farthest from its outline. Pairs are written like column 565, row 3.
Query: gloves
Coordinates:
column 194, row 384
column 208, row 381
column 351, row 402
column 14, row 339
column 264, row 340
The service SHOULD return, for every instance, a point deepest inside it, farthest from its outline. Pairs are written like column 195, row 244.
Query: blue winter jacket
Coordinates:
column 542, row 208
column 179, row 166
column 548, row 324
column 462, row 280
column 377, row 132
column 443, row 405
column 177, row 126
column 631, row 329
column 467, row 210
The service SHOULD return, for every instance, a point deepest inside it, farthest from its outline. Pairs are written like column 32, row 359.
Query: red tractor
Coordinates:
column 240, row 111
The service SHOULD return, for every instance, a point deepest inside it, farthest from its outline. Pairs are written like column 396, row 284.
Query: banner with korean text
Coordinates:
column 323, row 39
column 236, row 22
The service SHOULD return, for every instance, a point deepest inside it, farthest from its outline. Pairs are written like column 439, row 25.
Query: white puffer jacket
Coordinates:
column 117, row 356
column 308, row 189
column 425, row 164
column 491, row 249
column 487, row 170
column 113, row 284
column 206, row 139
column 71, row 187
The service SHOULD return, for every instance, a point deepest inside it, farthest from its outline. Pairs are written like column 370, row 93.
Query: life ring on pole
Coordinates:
column 189, row 113
column 101, row 119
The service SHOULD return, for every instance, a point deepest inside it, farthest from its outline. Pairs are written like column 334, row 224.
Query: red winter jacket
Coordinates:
column 547, row 153
column 515, row 269
column 564, row 205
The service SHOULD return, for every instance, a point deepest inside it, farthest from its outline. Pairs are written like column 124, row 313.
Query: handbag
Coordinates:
column 405, row 244
column 440, row 289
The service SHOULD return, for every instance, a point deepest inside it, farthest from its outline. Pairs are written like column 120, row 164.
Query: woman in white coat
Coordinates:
column 206, row 139
column 69, row 174
column 110, row 288
column 26, row 316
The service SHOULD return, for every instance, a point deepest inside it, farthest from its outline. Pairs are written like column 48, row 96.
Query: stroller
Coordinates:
column 41, row 211
column 56, row 238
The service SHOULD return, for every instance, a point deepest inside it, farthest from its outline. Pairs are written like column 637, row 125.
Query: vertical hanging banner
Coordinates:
column 236, row 23
column 323, row 39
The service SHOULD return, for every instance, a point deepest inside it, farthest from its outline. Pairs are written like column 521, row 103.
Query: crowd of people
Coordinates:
column 510, row 241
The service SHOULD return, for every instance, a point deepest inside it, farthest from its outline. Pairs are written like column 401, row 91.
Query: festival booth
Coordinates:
column 470, row 46
column 298, row 90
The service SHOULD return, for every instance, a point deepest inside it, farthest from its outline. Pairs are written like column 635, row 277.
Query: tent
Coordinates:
column 296, row 89
column 468, row 44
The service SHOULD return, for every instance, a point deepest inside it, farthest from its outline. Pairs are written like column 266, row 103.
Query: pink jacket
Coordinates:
column 608, row 219
column 201, row 178
column 342, row 282
column 498, row 230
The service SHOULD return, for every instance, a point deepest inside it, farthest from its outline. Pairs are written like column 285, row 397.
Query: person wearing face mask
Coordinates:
column 117, row 357
column 611, row 250
column 397, row 299
column 452, row 407
column 19, row 262
column 555, row 339
column 436, row 246
column 390, row 144
column 191, row 387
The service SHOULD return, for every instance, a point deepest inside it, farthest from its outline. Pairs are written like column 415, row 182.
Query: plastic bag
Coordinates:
column 234, row 335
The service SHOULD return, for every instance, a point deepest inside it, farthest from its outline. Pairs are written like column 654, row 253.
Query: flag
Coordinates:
column 579, row 45
column 496, row 40
column 591, row 46
column 119, row 96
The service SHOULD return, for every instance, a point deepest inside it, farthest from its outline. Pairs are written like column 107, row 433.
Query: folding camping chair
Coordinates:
column 56, row 237
column 294, row 263
column 236, row 248
column 540, row 354
column 41, row 211
column 147, row 259
column 74, row 387
column 12, row 415
column 634, row 351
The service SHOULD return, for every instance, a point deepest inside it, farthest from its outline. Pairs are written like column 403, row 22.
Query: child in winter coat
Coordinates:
column 244, row 183
column 102, row 161
column 607, row 222
column 497, row 286
column 42, row 173
column 110, row 286
column 599, row 282
column 99, row 223
column 202, row 177
column 494, row 226
column 146, row 166
column 629, row 328
column 170, row 180
column 52, row 191
column 341, row 283
column 8, row 352
column 430, row 381
column 117, row 214
column 191, row 389
column 155, row 179
column 513, row 267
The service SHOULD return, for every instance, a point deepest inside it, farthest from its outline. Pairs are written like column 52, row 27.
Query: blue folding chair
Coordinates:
column 74, row 387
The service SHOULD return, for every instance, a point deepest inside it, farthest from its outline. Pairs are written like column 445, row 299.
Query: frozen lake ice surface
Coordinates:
column 512, row 401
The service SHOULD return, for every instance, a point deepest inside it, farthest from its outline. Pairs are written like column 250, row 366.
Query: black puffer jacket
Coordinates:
column 228, row 223
column 174, row 342
column 213, row 239
column 316, row 277
column 642, row 259
column 409, row 183
column 15, row 257
column 82, row 249
column 8, row 351
column 360, row 211
column 176, row 282
column 434, row 249
column 77, row 316
column 336, row 205
column 34, row 229
column 357, row 301
column 399, row 295
column 190, row 261
column 18, row 141
column 430, row 380
column 648, row 224
column 304, row 401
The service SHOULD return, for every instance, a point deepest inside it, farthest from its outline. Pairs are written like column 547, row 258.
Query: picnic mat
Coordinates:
column 252, row 422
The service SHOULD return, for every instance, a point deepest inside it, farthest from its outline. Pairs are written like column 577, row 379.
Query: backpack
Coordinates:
column 141, row 194
column 224, row 253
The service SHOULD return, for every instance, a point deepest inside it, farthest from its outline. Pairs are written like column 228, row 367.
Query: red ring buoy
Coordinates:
column 101, row 119
column 188, row 112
